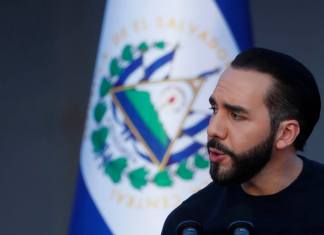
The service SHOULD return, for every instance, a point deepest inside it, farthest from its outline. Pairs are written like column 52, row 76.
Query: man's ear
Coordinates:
column 287, row 133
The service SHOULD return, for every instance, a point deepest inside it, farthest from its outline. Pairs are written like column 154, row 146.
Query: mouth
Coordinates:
column 216, row 155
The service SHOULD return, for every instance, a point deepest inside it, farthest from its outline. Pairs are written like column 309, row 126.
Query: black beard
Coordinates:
column 244, row 165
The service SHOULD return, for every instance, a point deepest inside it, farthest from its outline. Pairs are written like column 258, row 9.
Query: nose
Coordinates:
column 217, row 127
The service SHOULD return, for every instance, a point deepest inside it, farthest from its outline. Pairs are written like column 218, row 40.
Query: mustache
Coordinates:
column 213, row 143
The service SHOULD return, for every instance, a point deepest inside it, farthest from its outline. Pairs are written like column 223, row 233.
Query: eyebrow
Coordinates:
column 236, row 108
column 230, row 107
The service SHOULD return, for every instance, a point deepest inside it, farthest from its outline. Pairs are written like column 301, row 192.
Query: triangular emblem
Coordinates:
column 156, row 111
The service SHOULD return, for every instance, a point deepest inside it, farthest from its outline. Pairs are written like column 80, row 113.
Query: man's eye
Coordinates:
column 214, row 109
column 236, row 116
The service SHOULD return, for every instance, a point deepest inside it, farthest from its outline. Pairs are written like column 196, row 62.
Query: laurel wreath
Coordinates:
column 116, row 167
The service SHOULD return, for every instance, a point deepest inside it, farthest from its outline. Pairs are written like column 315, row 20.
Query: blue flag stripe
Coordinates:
column 236, row 14
column 129, row 70
column 157, row 64
column 86, row 218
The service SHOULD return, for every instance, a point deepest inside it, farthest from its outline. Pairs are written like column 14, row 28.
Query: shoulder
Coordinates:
column 193, row 208
column 312, row 167
column 313, row 172
column 311, row 191
column 201, row 199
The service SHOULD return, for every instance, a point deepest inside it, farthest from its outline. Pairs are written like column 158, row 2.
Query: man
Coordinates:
column 265, row 107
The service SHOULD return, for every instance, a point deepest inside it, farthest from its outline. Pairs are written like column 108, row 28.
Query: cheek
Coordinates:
column 253, row 131
column 249, row 135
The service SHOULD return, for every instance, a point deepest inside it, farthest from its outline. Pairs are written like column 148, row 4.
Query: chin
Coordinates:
column 222, row 175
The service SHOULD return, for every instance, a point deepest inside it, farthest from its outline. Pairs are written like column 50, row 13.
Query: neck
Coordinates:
column 278, row 174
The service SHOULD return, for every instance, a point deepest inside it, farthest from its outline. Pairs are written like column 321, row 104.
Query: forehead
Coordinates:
column 247, row 88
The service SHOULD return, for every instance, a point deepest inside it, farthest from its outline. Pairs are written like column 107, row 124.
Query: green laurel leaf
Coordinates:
column 98, row 138
column 143, row 47
column 138, row 177
column 160, row 44
column 162, row 179
column 184, row 172
column 99, row 111
column 200, row 161
column 115, row 168
column 105, row 87
column 127, row 53
column 115, row 68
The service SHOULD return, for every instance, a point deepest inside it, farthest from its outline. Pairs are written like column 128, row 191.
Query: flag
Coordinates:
column 143, row 149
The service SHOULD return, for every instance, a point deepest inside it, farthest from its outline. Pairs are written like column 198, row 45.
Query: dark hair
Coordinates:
column 294, row 94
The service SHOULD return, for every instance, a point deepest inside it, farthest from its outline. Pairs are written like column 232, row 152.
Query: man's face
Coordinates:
column 240, row 138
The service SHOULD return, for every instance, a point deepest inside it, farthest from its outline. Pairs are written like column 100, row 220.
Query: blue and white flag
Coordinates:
column 143, row 150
